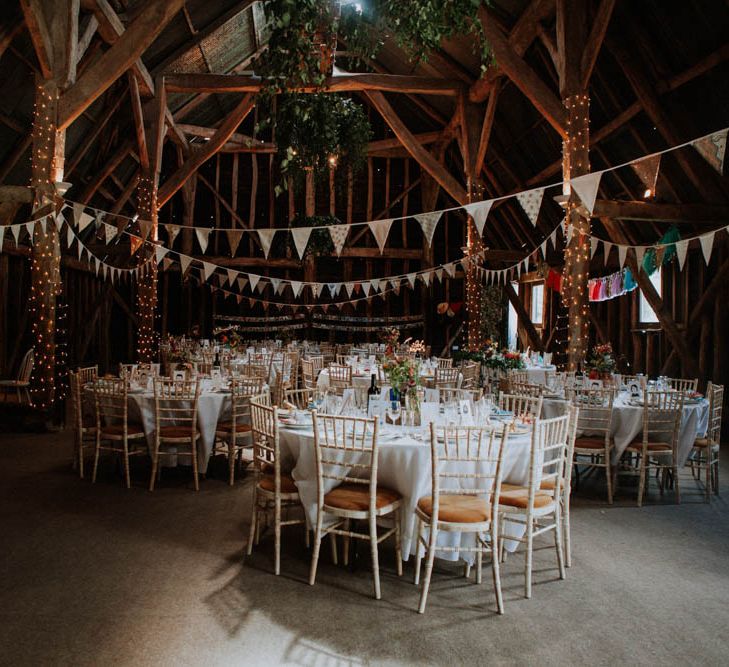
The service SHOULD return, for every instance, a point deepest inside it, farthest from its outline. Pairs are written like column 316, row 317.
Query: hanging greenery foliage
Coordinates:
column 320, row 241
column 318, row 131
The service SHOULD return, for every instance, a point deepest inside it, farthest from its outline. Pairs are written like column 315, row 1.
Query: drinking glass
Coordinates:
column 393, row 411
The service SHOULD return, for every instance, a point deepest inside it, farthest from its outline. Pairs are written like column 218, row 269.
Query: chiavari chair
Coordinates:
column 446, row 378
column 520, row 405
column 680, row 384
column 84, row 427
column 444, row 362
column 706, row 450
column 340, row 378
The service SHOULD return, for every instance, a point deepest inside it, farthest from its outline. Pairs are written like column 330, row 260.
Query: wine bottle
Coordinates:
column 373, row 391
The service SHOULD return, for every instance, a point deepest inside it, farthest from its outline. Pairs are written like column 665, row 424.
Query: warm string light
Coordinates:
column 147, row 338
column 577, row 227
column 45, row 262
column 474, row 290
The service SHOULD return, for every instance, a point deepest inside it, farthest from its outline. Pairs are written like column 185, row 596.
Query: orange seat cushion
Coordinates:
column 704, row 442
column 133, row 430
column 457, row 508
column 228, row 427
column 548, row 484
column 268, row 482
column 590, row 443
column 637, row 446
column 518, row 496
column 174, row 432
column 357, row 497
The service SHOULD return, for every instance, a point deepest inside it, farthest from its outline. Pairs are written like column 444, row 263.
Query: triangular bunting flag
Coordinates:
column 109, row 232
column 78, row 209
column 2, row 234
column 275, row 284
column 296, row 287
column 543, row 249
column 241, row 282
column 380, row 230
column 428, row 223
column 712, row 149
column 208, row 269
column 203, row 236
column 593, row 246
column 84, row 221
column 69, row 235
column 681, row 250
column 166, row 263
column 639, row 252
column 234, row 237
column 184, row 264
column 479, row 211
column 350, row 288
column 450, row 268
column 145, row 227
column 531, row 202
column 647, row 171
column 374, row 284
column 265, row 236
column 301, row 239
column 439, row 275
column 232, row 274
column 339, row 236
column 172, row 232
column 586, row 188
column 707, row 245
column 135, row 242
column 606, row 248
column 253, row 281
column 622, row 252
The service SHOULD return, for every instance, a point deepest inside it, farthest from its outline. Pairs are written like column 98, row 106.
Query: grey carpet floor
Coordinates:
column 99, row 575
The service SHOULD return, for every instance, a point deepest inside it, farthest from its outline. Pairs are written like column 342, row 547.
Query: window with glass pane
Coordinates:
column 537, row 313
column 647, row 314
column 513, row 322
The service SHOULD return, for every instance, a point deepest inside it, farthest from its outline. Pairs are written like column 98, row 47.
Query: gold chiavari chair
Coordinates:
column 521, row 405
column 517, row 376
column 274, row 490
column 657, row 447
column 526, row 389
column 444, row 362
column 706, row 450
column 300, row 399
column 308, row 374
column 680, row 384
column 84, row 426
column 175, row 418
column 318, row 364
column 471, row 373
column 340, row 378
column 446, row 378
column 594, row 449
column 343, row 445
column 232, row 437
column 466, row 487
column 21, row 384
column 113, row 425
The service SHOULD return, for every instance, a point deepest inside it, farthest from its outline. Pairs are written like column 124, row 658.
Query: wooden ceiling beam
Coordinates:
column 595, row 40
column 138, row 120
column 128, row 48
column 200, row 155
column 40, row 35
column 243, row 83
column 9, row 32
column 87, row 32
column 523, row 76
column 674, row 213
column 416, row 150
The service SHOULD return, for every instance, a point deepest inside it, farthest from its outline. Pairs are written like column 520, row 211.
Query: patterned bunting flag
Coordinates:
column 428, row 223
column 707, row 245
column 265, row 236
column 531, row 202
column 713, row 149
column 172, row 232
column 301, row 239
column 479, row 211
column 145, row 227
column 203, row 236
column 135, row 242
column 647, row 171
column 234, row 237
column 339, row 236
column 380, row 230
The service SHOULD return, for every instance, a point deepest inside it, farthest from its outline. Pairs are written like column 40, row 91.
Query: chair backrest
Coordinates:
column 547, row 457
column 517, row 375
column 175, row 403
column 264, row 426
column 127, row 370
column 87, row 374
column 26, row 366
column 203, row 367
column 471, row 375
column 340, row 377
column 318, row 363
column 521, row 405
column 242, row 390
column 526, row 389
column 446, row 377
column 680, row 384
column 662, row 411
column 342, row 359
column 110, row 402
column 466, row 461
column 715, row 394
column 76, row 387
column 595, row 410
column 445, row 362
column 299, row 398
column 346, row 451
column 450, row 394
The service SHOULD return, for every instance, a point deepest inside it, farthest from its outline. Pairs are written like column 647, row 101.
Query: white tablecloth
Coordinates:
column 360, row 380
column 539, row 374
column 404, row 465
column 627, row 423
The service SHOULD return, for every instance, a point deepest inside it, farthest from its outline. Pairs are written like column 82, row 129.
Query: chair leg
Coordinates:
column 567, row 536
column 346, row 541
column 96, row 458
column 609, row 476
column 676, row 482
column 155, row 465
column 642, row 481
column 277, row 534
column 195, row 477
column 398, row 543
column 231, row 463
column 418, row 551
column 558, row 542
column 428, row 569
column 80, row 455
column 125, row 454
column 528, row 558
column 479, row 563
column 375, row 555
column 254, row 520
column 317, row 546
column 333, row 543
column 496, row 565
column 466, row 570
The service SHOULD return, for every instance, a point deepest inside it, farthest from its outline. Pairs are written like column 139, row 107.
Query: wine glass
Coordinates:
column 393, row 411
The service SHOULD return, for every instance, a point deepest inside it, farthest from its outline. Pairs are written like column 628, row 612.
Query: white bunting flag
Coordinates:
column 78, row 209
column 366, row 288
column 253, row 281
column 110, row 232
column 553, row 239
column 380, row 230
column 707, row 245
column 681, row 250
column 531, row 202
column 172, row 232
column 234, row 237
column 439, row 275
column 208, row 269
column 59, row 221
column 593, row 246
column 333, row 288
column 339, row 236
column 265, row 236
column 479, row 211
column 622, row 252
column 639, row 252
column 30, row 228
column 184, row 264
column 543, row 249
column 713, row 149
column 275, row 284
column 425, row 277
column 350, row 288
column 301, row 239
column 586, row 188
column 232, row 275
column 203, row 236
column 450, row 268
column 99, row 217
column 2, row 234
column 84, row 221
column 296, row 287
column 428, row 223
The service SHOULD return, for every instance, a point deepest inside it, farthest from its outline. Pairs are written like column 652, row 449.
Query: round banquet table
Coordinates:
column 360, row 379
column 627, row 423
column 539, row 374
column 403, row 465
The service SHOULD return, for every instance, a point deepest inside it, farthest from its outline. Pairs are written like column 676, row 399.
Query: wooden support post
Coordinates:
column 531, row 333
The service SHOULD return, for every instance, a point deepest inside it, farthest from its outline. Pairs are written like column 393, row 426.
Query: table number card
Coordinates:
column 466, row 413
column 178, row 376
column 429, row 412
column 376, row 408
